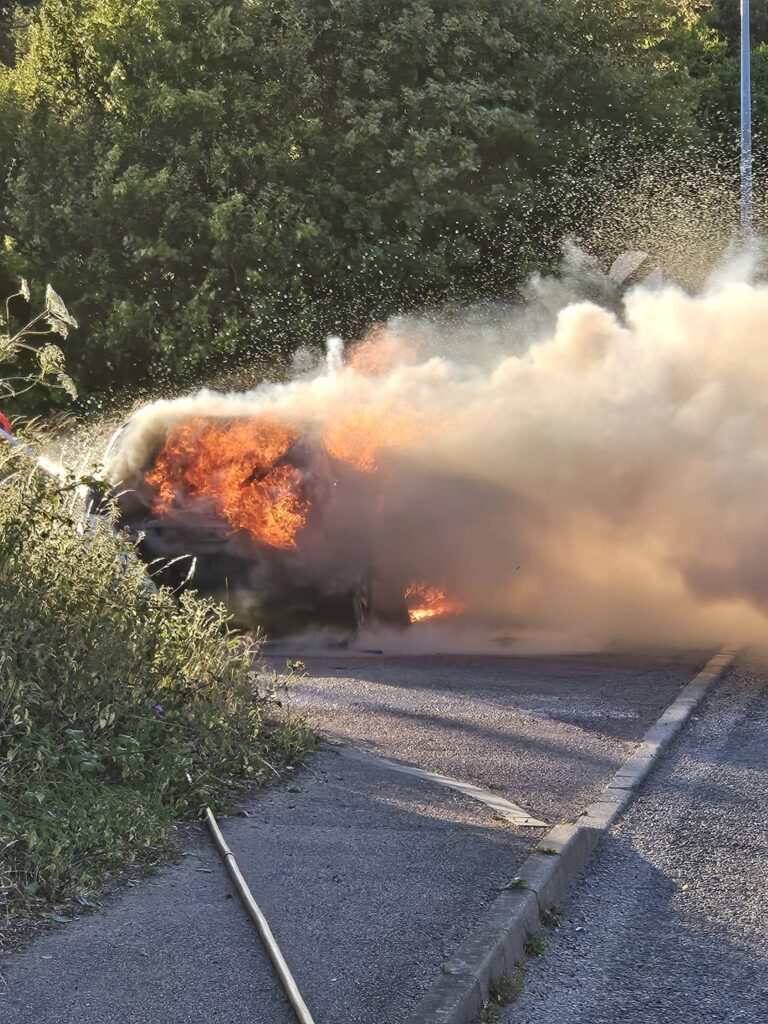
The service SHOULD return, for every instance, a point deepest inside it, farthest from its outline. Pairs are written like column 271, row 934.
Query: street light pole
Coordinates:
column 746, row 123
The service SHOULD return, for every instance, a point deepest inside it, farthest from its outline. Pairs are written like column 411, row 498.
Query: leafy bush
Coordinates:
column 120, row 708
column 214, row 178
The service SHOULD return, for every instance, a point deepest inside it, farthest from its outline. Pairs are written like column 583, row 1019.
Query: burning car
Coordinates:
column 256, row 512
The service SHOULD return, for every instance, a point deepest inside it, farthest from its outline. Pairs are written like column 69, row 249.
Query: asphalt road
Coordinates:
column 370, row 879
column 670, row 924
column 546, row 731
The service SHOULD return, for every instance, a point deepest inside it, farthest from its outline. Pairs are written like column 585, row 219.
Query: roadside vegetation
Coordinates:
column 226, row 181
column 502, row 992
column 122, row 708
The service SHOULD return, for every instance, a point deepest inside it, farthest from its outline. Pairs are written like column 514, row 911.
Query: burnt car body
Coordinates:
column 326, row 579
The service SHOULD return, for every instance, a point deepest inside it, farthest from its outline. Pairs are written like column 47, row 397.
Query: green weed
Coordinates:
column 535, row 944
column 502, row 992
column 551, row 917
column 121, row 709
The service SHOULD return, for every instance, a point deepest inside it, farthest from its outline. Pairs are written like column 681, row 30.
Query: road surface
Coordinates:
column 670, row 925
column 371, row 879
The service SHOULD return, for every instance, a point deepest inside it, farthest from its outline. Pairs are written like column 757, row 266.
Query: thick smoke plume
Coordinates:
column 601, row 477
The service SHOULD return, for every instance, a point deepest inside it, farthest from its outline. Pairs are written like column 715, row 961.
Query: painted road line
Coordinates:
column 502, row 807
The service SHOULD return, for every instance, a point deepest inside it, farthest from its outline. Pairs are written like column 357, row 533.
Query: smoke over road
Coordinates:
column 604, row 480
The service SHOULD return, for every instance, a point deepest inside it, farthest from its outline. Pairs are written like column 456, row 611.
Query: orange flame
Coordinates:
column 234, row 465
column 425, row 602
column 358, row 433
column 358, row 436
column 378, row 352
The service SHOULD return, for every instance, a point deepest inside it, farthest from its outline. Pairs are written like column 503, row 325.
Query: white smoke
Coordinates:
column 334, row 353
column 608, row 480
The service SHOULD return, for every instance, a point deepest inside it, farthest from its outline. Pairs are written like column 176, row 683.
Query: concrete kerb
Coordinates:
column 497, row 943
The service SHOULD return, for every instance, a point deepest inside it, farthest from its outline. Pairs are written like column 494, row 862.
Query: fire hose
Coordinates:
column 262, row 925
column 51, row 468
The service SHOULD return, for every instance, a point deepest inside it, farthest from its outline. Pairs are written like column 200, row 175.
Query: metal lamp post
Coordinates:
column 746, row 123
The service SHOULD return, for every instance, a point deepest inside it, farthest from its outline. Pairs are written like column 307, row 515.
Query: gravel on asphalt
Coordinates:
column 670, row 923
column 546, row 732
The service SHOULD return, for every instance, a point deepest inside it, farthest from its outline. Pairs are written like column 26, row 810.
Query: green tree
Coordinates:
column 11, row 15
column 221, row 177
column 725, row 15
column 716, row 68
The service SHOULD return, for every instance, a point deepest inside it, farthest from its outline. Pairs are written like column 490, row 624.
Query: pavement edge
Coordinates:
column 497, row 943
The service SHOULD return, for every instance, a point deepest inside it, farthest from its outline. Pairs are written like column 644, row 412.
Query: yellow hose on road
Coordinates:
column 265, row 932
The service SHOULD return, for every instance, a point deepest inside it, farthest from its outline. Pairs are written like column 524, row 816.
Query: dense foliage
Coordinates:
column 726, row 16
column 717, row 69
column 120, row 708
column 214, row 177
